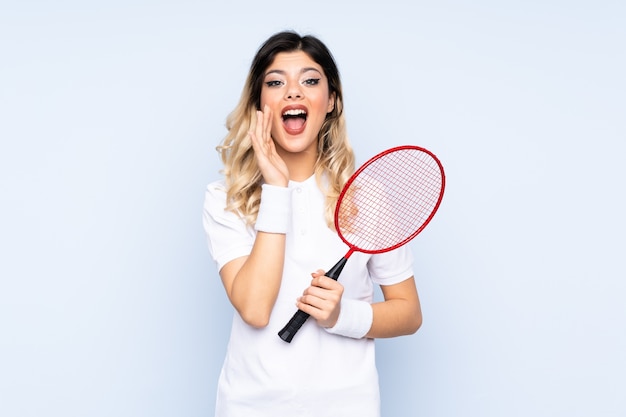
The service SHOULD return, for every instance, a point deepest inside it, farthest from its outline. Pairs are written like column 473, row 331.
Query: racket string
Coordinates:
column 390, row 200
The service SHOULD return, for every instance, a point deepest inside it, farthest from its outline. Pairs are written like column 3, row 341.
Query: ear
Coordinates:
column 331, row 103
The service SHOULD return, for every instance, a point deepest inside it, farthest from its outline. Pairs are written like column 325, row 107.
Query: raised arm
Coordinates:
column 252, row 282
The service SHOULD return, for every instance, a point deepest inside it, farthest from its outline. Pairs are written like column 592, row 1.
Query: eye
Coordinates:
column 274, row 83
column 312, row 81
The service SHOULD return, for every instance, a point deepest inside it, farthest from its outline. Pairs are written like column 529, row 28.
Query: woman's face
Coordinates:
column 296, row 90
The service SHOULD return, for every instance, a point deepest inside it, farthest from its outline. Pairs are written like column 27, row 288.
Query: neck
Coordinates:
column 301, row 165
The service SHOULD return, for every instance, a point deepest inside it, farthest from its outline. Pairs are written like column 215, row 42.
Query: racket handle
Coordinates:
column 298, row 319
column 290, row 330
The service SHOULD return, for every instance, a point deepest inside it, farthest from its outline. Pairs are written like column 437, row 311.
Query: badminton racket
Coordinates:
column 387, row 202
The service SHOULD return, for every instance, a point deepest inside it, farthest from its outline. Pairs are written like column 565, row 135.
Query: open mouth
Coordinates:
column 294, row 120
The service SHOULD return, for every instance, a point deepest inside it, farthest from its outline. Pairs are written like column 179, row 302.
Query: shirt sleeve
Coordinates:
column 228, row 236
column 391, row 267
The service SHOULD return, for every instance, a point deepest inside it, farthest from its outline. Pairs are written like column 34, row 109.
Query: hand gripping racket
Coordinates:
column 387, row 202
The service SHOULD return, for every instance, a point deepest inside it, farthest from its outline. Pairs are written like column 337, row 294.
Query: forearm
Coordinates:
column 393, row 318
column 255, row 286
column 400, row 314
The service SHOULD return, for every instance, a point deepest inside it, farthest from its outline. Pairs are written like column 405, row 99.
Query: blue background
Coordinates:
column 109, row 115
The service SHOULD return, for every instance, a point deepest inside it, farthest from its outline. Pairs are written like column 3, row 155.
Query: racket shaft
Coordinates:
column 289, row 331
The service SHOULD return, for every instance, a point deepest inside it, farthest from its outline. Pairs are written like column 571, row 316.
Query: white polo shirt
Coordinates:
column 318, row 374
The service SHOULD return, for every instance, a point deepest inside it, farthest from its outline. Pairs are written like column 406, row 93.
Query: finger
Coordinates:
column 258, row 131
column 252, row 132
column 311, row 301
column 318, row 273
column 318, row 309
column 317, row 292
column 267, row 123
column 323, row 281
column 309, row 309
column 260, row 143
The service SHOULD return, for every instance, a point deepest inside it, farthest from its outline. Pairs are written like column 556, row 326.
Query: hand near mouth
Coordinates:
column 271, row 165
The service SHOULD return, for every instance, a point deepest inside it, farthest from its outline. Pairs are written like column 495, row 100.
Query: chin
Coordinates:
column 296, row 144
column 294, row 149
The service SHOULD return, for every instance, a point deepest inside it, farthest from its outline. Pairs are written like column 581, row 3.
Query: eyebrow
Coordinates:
column 302, row 71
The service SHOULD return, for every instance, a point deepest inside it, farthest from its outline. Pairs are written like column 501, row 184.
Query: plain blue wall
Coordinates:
column 109, row 115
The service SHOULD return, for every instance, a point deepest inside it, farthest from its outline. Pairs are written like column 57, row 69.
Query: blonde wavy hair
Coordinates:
column 335, row 158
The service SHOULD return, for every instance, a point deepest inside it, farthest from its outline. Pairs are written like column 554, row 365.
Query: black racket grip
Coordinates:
column 289, row 331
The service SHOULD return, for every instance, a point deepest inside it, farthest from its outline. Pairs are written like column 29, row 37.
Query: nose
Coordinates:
column 293, row 91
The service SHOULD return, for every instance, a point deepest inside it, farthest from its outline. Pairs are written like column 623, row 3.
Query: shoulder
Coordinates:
column 215, row 203
column 215, row 196
column 391, row 267
column 216, row 189
column 228, row 235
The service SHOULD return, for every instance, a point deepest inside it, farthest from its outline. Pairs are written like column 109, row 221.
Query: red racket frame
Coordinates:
column 354, row 176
